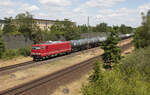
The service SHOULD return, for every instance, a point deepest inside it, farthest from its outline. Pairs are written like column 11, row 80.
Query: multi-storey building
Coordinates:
column 42, row 23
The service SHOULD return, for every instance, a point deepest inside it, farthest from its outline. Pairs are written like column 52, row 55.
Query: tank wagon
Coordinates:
column 54, row 48
column 86, row 43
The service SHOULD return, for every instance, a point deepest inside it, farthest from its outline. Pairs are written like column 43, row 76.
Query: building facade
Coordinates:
column 42, row 23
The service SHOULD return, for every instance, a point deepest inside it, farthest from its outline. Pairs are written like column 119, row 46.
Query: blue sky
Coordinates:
column 113, row 12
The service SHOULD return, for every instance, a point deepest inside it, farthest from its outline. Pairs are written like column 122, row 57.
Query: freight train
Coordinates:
column 50, row 49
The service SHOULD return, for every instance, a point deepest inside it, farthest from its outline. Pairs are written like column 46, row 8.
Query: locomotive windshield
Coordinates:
column 35, row 48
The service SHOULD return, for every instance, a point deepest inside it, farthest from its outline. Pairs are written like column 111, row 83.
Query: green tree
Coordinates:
column 83, row 28
column 9, row 26
column 116, row 29
column 2, row 45
column 96, row 72
column 37, row 34
column 112, row 52
column 67, row 29
column 28, row 27
column 102, row 27
column 125, row 29
column 47, row 35
column 142, row 34
column 24, row 22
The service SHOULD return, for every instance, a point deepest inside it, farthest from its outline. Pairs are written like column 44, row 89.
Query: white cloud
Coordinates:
column 120, row 16
column 32, row 8
column 6, row 3
column 144, row 8
column 56, row 2
column 98, row 4
column 102, row 3
column 98, row 10
column 27, row 7
column 14, row 8
column 11, row 11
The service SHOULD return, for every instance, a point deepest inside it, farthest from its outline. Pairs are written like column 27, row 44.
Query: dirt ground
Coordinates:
column 128, row 51
column 126, row 41
column 13, row 61
column 22, row 76
column 74, row 87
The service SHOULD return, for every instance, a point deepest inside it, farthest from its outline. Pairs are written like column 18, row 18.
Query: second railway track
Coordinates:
column 21, row 89
column 25, row 65
column 38, row 86
column 13, row 68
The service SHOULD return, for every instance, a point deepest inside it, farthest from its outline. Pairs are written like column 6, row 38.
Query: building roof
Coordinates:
column 1, row 21
column 46, row 20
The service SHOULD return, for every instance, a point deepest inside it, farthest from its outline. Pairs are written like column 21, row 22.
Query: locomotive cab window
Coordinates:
column 35, row 48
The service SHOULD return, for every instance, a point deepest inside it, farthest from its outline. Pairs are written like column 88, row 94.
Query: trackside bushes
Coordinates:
column 9, row 54
column 24, row 51
column 12, row 53
column 130, row 77
column 2, row 47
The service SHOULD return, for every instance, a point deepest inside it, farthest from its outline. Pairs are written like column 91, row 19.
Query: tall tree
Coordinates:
column 9, row 26
column 112, row 52
column 83, row 28
column 2, row 45
column 67, row 29
column 102, row 27
column 28, row 27
column 142, row 34
column 116, row 29
column 125, row 29
column 24, row 22
column 37, row 34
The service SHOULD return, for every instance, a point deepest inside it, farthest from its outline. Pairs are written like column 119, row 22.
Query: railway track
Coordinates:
column 23, row 88
column 16, row 67
column 48, row 83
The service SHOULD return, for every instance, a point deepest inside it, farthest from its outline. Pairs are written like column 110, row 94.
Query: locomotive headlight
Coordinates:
column 36, row 53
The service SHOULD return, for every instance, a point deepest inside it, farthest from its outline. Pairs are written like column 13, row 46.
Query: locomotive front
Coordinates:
column 36, row 51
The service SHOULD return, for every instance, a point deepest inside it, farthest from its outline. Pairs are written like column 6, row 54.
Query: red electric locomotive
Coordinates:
column 49, row 49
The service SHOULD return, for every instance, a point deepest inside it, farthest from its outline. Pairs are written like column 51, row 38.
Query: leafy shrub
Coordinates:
column 2, row 47
column 131, row 77
column 24, row 51
column 9, row 54
column 142, row 34
column 12, row 53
